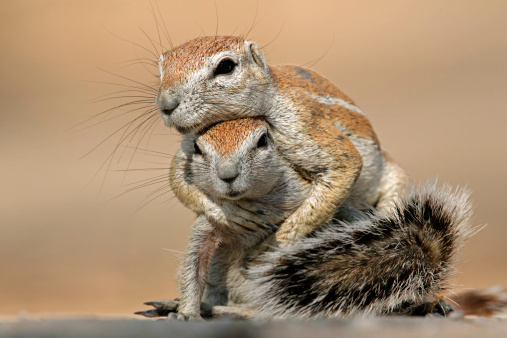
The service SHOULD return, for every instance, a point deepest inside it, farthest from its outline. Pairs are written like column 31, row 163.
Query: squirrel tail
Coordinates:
column 487, row 302
column 389, row 262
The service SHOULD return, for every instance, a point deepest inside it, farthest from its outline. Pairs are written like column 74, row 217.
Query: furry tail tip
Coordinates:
column 486, row 302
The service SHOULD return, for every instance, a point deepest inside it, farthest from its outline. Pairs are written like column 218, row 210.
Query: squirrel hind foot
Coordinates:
column 438, row 308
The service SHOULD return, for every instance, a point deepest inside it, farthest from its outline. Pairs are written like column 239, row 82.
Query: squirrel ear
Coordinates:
column 255, row 52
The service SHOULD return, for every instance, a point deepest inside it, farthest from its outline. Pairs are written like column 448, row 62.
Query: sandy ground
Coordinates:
column 381, row 327
column 431, row 76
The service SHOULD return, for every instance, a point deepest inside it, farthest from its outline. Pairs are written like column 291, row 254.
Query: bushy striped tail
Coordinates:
column 383, row 264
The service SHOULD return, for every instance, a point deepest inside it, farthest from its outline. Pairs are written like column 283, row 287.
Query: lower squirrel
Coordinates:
column 362, row 262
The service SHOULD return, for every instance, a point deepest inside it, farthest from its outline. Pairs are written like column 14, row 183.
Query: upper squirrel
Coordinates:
column 318, row 130
column 358, row 264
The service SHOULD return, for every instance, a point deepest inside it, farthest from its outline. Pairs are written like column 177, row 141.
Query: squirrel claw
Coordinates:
column 167, row 304
column 162, row 308
column 152, row 313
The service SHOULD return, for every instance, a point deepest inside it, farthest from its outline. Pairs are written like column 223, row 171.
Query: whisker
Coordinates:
column 314, row 62
column 166, row 32
column 254, row 19
column 129, row 80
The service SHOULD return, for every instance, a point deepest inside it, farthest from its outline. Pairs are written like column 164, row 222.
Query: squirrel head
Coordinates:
column 234, row 159
column 212, row 79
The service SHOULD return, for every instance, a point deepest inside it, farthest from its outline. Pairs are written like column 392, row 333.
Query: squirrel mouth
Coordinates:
column 231, row 194
column 185, row 130
column 198, row 128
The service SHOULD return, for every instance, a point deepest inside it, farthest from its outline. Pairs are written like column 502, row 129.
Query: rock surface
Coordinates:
column 391, row 327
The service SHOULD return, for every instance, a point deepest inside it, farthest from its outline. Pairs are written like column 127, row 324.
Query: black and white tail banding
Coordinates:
column 383, row 264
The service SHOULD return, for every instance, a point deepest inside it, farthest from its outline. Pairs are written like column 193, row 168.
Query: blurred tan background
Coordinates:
column 431, row 76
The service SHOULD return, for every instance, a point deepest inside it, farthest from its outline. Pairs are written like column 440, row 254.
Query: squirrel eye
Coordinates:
column 263, row 141
column 224, row 67
column 197, row 150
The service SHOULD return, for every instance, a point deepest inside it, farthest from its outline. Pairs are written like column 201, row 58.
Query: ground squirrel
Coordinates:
column 318, row 130
column 225, row 169
column 360, row 263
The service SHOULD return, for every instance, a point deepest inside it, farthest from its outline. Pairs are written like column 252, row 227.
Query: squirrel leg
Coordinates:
column 234, row 312
column 393, row 185
column 217, row 291
column 348, row 214
column 332, row 168
column 195, row 268
column 168, row 307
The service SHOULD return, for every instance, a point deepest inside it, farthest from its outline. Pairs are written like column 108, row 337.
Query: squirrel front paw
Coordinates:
column 169, row 308
column 242, row 216
column 162, row 308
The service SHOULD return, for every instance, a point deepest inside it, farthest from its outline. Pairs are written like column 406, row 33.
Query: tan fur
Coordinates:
column 299, row 89
column 228, row 136
column 191, row 56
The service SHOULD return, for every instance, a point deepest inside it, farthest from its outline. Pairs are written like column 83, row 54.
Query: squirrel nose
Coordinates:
column 167, row 102
column 227, row 172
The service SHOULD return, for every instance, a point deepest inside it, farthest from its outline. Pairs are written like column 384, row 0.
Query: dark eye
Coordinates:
column 224, row 67
column 263, row 141
column 197, row 150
